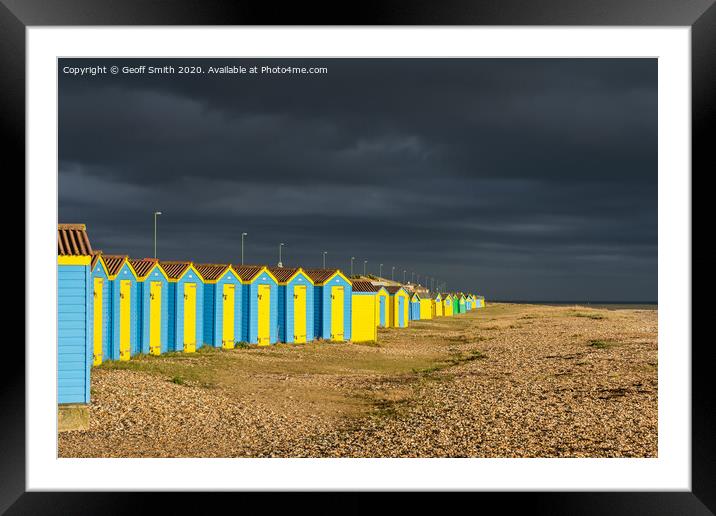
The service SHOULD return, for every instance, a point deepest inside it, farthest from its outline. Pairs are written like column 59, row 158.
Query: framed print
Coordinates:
column 418, row 250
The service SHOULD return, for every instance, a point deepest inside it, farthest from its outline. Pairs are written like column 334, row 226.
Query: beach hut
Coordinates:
column 398, row 306
column 260, row 304
column 437, row 302
column 468, row 303
column 414, row 307
column 480, row 302
column 222, row 304
column 295, row 304
column 123, row 301
column 364, row 326
column 74, row 317
column 152, row 306
column 455, row 304
column 185, row 306
column 101, row 309
column 332, row 304
column 461, row 300
column 381, row 307
column 448, row 304
column 426, row 308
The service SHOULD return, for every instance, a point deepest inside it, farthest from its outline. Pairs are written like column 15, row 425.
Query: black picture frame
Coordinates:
column 700, row 15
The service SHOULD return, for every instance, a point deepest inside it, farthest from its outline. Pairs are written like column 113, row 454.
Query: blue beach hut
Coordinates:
column 100, row 310
column 333, row 294
column 124, row 302
column 74, row 319
column 259, row 304
column 295, row 304
column 222, row 305
column 185, row 306
column 153, row 306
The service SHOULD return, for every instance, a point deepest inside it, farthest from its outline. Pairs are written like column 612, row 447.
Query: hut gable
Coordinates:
column 365, row 286
column 142, row 267
column 211, row 272
column 174, row 269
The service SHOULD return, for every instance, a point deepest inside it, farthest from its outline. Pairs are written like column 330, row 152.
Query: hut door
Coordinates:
column 229, row 309
column 401, row 311
column 125, row 293
column 337, row 306
column 155, row 318
column 189, row 317
column 382, row 311
column 299, row 313
column 264, row 313
column 97, row 321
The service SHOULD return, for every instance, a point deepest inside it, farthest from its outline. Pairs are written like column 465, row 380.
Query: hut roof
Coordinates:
column 143, row 266
column 211, row 271
column 319, row 276
column 392, row 289
column 174, row 269
column 113, row 262
column 96, row 253
column 283, row 274
column 365, row 286
column 72, row 240
column 247, row 272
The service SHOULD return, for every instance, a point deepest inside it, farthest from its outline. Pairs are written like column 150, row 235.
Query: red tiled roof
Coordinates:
column 283, row 273
column 72, row 240
column 392, row 289
column 319, row 275
column 247, row 272
column 113, row 262
column 143, row 266
column 211, row 271
column 365, row 286
column 174, row 270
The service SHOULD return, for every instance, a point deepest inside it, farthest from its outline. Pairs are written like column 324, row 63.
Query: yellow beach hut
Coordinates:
column 363, row 313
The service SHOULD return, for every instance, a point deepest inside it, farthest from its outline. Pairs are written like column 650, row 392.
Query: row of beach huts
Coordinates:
column 113, row 307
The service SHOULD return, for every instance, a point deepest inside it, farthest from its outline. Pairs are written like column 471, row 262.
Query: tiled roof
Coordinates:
column 365, row 286
column 283, row 273
column 72, row 240
column 211, row 271
column 113, row 262
column 247, row 272
column 143, row 266
column 174, row 270
column 392, row 289
column 320, row 275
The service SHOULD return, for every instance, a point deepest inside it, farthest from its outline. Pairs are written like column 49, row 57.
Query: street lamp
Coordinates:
column 155, row 232
column 412, row 277
column 404, row 271
column 324, row 258
column 242, row 247
column 365, row 262
column 392, row 273
column 279, row 254
column 352, row 258
column 418, row 279
column 380, row 271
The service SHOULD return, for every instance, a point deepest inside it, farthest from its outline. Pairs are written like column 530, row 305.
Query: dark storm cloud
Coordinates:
column 530, row 179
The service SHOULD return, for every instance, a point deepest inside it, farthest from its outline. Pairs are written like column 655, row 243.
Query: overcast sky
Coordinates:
column 522, row 179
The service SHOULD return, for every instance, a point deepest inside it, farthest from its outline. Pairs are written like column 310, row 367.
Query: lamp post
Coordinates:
column 380, row 271
column 392, row 273
column 242, row 247
column 155, row 232
column 324, row 258
column 279, row 254
column 418, row 278
column 365, row 262
column 404, row 271
column 412, row 277
column 352, row 258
